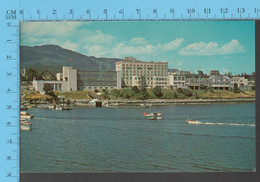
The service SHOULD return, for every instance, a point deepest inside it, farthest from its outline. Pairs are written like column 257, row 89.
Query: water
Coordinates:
column 89, row 139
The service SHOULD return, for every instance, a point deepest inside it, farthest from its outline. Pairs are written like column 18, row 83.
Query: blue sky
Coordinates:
column 228, row 46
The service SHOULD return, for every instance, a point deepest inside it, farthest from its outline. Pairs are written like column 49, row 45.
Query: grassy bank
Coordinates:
column 145, row 94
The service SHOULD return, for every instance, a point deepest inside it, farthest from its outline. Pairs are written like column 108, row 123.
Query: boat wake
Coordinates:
column 230, row 124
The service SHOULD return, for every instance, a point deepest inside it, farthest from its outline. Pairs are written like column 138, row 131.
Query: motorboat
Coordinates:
column 191, row 121
column 25, row 115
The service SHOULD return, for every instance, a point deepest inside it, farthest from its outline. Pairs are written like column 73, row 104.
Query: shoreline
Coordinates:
column 180, row 101
column 151, row 102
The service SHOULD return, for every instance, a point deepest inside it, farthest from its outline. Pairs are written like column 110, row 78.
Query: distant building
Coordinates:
column 240, row 81
column 219, row 82
column 72, row 80
column 195, row 81
column 92, row 80
column 177, row 80
column 47, row 75
column 214, row 72
column 131, row 72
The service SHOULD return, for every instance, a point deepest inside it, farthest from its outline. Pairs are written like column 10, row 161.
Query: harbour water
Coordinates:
column 88, row 139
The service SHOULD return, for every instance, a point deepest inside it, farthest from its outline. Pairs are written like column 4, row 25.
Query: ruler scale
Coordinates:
column 13, row 11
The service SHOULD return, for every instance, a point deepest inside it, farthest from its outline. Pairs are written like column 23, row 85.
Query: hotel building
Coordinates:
column 132, row 72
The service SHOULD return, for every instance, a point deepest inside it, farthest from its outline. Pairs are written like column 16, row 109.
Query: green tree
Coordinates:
column 114, row 93
column 142, row 94
column 30, row 74
column 135, row 89
column 105, row 94
column 48, row 89
column 157, row 91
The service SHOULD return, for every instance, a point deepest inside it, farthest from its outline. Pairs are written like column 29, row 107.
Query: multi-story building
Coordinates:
column 72, row 80
column 177, row 79
column 196, row 81
column 240, row 81
column 97, row 80
column 131, row 72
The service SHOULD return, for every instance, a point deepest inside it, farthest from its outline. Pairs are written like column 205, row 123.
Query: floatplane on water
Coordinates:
column 153, row 116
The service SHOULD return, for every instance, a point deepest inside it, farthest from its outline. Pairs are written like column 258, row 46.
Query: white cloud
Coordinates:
column 98, row 37
column 138, row 41
column 48, row 28
column 212, row 48
column 172, row 45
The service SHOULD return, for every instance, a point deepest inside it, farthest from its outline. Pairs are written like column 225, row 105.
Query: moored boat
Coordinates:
column 25, row 115
column 25, row 125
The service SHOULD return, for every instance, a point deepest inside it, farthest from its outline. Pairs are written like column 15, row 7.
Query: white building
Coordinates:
column 240, row 81
column 177, row 80
column 132, row 72
column 67, row 83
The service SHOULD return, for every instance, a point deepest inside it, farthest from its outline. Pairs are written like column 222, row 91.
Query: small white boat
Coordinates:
column 25, row 115
column 25, row 125
column 51, row 106
column 153, row 116
column 191, row 121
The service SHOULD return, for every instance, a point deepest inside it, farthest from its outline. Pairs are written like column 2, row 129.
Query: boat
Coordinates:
column 25, row 115
column 51, row 106
column 192, row 121
column 25, row 125
column 23, row 108
column 153, row 116
column 59, row 108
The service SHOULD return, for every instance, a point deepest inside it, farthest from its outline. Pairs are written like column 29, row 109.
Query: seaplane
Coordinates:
column 153, row 116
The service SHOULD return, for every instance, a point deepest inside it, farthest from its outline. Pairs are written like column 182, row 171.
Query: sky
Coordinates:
column 227, row 46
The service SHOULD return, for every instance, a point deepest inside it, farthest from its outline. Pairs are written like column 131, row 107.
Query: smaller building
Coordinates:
column 39, row 84
column 240, row 81
column 177, row 80
column 47, row 75
column 219, row 82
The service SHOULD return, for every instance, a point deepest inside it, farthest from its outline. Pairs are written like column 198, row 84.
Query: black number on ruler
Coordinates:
column 10, row 141
column 241, row 10
column 70, row 11
column 191, row 10
column 9, row 90
column 121, row 11
column 8, row 74
column 54, row 11
column 9, row 174
column 155, row 11
column 207, row 10
column 8, row 157
column 138, row 11
column 8, row 57
column 224, row 10
column 172, row 12
column 9, row 107
column 89, row 13
column 21, row 11
column 105, row 12
column 8, row 123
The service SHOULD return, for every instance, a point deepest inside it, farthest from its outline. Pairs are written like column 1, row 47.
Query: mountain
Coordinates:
column 53, row 57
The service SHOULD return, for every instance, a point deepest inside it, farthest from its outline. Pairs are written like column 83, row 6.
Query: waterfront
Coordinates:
column 88, row 139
